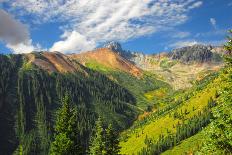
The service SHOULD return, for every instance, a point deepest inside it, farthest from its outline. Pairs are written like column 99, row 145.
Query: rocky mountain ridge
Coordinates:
column 197, row 53
column 179, row 67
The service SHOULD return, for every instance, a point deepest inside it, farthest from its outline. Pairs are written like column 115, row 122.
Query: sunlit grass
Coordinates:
column 196, row 103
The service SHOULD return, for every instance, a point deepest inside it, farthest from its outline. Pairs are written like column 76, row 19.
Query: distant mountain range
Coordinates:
column 179, row 67
column 195, row 53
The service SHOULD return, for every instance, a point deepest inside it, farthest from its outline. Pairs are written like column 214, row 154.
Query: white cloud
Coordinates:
column 90, row 22
column 14, row 34
column 21, row 47
column 213, row 22
column 211, row 34
column 73, row 42
column 181, row 34
column 196, row 5
column 183, row 44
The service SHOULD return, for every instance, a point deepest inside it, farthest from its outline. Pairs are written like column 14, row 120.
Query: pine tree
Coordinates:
column 62, row 145
column 112, row 142
column 65, row 141
column 42, row 130
column 97, row 143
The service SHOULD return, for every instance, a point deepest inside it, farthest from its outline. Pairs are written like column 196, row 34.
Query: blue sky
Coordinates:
column 75, row 26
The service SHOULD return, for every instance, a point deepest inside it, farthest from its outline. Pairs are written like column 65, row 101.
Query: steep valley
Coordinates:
column 152, row 100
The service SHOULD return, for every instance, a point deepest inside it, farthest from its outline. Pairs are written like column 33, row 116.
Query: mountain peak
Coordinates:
column 114, row 46
column 108, row 58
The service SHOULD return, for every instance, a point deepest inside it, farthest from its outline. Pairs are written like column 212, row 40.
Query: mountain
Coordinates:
column 114, row 46
column 108, row 58
column 53, row 62
column 189, row 54
column 31, row 90
column 117, row 48
column 180, row 67
column 154, row 100
column 197, row 53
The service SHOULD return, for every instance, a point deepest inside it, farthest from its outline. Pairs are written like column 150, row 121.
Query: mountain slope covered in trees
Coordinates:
column 52, row 103
column 30, row 96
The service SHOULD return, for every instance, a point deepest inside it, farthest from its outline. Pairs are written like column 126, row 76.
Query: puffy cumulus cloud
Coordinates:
column 21, row 47
column 14, row 34
column 73, row 41
column 91, row 22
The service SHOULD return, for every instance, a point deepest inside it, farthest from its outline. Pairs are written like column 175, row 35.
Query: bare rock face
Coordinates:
column 114, row 46
column 197, row 53
column 117, row 48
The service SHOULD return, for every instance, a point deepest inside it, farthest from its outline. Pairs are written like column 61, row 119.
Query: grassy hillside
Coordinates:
column 165, row 123
column 189, row 145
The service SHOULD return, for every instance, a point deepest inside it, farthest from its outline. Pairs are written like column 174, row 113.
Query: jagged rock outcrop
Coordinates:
column 114, row 46
column 117, row 48
column 197, row 53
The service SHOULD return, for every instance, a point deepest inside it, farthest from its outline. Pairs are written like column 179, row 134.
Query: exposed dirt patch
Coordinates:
column 53, row 62
column 108, row 58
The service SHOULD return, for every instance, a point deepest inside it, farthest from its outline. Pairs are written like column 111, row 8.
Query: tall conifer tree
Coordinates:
column 97, row 143
column 112, row 141
column 65, row 141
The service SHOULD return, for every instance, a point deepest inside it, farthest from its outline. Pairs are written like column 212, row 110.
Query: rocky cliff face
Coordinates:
column 114, row 46
column 197, row 53
column 117, row 48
